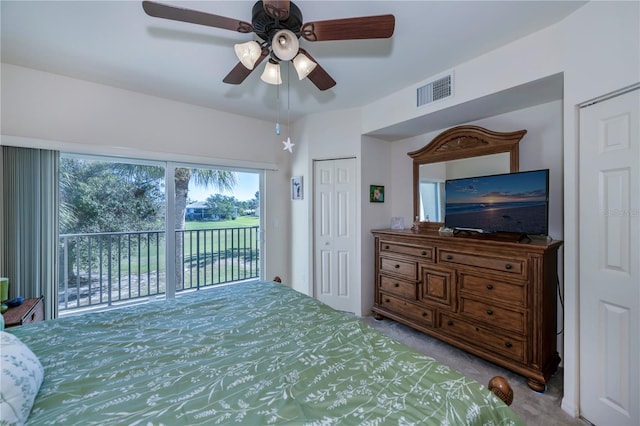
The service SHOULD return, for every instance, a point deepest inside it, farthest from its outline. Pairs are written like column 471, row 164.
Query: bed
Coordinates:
column 256, row 353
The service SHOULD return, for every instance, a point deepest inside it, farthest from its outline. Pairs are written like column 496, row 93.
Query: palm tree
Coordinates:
column 221, row 179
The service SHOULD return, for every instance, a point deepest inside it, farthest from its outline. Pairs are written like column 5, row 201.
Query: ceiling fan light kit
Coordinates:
column 303, row 65
column 285, row 45
column 271, row 73
column 248, row 53
column 279, row 24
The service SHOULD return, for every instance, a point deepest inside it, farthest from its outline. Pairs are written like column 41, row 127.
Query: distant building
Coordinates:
column 199, row 211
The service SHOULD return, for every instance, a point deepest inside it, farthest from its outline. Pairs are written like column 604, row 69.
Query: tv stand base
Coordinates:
column 511, row 237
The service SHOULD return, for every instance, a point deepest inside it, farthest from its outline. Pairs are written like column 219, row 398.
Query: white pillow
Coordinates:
column 21, row 375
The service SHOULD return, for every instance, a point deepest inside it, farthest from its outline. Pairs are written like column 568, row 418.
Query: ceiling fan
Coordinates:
column 279, row 25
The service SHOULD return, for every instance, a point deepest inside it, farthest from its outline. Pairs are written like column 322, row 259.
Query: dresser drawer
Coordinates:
column 505, row 346
column 493, row 314
column 423, row 252
column 488, row 287
column 507, row 265
column 406, row 269
column 402, row 288
column 407, row 309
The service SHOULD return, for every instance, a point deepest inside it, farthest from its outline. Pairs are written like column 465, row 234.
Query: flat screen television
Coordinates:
column 512, row 203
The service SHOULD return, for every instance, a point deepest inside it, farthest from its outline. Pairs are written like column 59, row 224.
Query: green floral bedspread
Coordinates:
column 247, row 354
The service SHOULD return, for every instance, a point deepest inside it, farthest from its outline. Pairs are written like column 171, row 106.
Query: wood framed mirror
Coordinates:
column 484, row 152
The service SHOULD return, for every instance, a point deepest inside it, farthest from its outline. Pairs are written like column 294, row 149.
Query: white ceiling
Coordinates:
column 116, row 43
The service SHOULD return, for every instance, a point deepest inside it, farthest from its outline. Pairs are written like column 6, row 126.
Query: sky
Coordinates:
column 526, row 186
column 245, row 190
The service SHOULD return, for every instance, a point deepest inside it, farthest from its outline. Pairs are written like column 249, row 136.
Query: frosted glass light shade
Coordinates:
column 248, row 53
column 303, row 65
column 271, row 73
column 285, row 45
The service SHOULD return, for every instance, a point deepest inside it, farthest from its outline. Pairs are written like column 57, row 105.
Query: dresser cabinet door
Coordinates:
column 437, row 286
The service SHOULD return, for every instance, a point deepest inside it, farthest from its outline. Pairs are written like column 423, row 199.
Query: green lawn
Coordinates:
column 220, row 251
column 241, row 221
column 220, row 236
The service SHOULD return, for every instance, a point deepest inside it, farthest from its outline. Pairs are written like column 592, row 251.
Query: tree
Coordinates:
column 98, row 197
column 223, row 206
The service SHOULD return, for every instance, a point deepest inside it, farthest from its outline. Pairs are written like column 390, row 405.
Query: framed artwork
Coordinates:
column 296, row 188
column 376, row 194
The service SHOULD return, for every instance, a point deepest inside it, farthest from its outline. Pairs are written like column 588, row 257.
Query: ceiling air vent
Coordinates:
column 434, row 91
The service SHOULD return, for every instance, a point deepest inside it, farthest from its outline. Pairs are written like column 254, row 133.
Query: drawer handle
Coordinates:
column 449, row 322
column 449, row 257
column 508, row 266
column 424, row 314
column 396, row 284
column 387, row 300
column 396, row 266
column 424, row 252
column 489, row 286
column 386, row 247
column 508, row 344
column 489, row 312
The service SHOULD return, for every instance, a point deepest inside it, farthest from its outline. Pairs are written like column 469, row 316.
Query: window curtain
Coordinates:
column 30, row 224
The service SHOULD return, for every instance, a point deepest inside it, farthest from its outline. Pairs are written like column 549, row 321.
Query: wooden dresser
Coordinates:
column 494, row 299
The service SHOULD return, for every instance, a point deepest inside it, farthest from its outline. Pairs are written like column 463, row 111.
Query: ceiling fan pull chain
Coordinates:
column 278, row 109
column 288, row 101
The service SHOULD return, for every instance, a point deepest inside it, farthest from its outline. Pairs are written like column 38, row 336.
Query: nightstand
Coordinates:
column 30, row 311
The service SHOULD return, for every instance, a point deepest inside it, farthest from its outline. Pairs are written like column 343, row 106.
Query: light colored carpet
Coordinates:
column 534, row 408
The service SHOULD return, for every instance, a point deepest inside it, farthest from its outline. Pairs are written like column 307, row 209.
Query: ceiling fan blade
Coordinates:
column 277, row 9
column 239, row 73
column 159, row 10
column 319, row 76
column 364, row 27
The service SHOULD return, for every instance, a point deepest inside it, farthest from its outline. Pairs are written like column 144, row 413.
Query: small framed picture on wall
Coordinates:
column 296, row 188
column 376, row 194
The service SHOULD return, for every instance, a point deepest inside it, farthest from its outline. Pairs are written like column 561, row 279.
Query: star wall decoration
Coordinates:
column 288, row 145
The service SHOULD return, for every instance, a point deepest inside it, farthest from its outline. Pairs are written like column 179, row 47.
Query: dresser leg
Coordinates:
column 378, row 317
column 537, row 386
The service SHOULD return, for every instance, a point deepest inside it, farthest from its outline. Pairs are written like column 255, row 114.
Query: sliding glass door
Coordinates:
column 217, row 224
column 132, row 230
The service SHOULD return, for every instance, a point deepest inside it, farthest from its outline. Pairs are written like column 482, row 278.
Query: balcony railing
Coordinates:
column 105, row 268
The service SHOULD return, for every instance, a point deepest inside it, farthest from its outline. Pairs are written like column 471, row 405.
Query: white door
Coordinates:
column 610, row 261
column 334, row 233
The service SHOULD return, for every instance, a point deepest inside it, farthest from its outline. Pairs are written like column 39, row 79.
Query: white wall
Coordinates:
column 45, row 110
column 376, row 170
column 322, row 136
